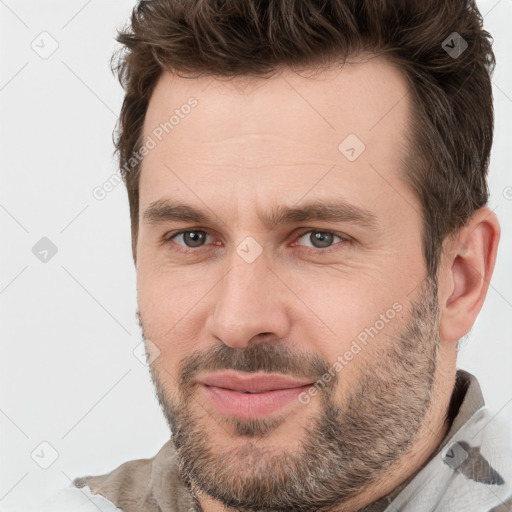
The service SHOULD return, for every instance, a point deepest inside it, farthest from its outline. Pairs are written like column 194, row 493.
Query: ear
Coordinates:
column 466, row 267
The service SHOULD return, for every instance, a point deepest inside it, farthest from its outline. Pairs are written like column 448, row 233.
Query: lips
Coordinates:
column 251, row 396
column 252, row 383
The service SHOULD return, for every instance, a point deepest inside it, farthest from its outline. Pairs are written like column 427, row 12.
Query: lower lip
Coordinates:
column 251, row 405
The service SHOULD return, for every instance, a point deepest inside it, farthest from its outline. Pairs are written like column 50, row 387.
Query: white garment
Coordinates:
column 472, row 473
column 77, row 500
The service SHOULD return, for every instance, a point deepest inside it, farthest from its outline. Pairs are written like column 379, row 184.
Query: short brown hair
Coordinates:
column 452, row 128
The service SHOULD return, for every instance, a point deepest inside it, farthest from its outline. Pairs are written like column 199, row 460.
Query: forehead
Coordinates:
column 354, row 97
column 295, row 132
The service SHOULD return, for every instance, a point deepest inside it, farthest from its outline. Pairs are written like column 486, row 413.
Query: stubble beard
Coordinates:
column 344, row 449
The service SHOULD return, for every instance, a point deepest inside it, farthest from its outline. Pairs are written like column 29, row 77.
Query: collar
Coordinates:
column 466, row 399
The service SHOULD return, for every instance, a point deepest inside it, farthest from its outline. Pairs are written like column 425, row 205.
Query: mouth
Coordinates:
column 249, row 396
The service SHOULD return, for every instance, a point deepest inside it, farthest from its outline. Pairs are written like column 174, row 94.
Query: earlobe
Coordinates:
column 467, row 273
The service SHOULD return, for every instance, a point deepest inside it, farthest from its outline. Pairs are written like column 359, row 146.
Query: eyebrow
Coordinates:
column 166, row 210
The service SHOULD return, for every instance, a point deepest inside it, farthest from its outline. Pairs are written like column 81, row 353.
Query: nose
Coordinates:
column 250, row 306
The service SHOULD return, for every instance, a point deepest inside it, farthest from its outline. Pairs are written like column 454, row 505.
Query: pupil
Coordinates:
column 325, row 239
column 194, row 237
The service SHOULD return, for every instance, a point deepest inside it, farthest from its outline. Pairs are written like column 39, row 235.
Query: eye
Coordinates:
column 322, row 239
column 191, row 238
column 319, row 241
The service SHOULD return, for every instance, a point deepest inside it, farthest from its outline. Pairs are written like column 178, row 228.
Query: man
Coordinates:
column 308, row 197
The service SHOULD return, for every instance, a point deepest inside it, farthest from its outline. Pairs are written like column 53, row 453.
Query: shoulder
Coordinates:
column 148, row 485
column 130, row 479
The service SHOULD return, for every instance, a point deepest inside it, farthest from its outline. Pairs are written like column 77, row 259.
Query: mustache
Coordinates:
column 262, row 357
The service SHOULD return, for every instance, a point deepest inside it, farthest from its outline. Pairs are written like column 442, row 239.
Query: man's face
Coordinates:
column 246, row 314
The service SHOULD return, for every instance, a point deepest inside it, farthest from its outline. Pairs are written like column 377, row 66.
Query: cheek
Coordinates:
column 348, row 323
column 163, row 307
column 162, row 291
column 340, row 307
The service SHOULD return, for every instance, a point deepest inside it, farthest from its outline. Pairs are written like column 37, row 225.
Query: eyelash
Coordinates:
column 344, row 240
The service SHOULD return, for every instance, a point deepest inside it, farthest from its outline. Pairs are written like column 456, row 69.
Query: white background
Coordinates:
column 68, row 375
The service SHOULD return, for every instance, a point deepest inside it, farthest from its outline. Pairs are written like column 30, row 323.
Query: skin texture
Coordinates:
column 247, row 147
